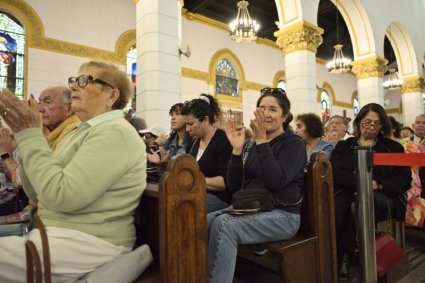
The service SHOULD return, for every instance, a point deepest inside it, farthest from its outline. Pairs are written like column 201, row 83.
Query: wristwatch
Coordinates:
column 5, row 156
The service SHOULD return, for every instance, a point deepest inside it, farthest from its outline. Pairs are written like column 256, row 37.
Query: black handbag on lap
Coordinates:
column 256, row 198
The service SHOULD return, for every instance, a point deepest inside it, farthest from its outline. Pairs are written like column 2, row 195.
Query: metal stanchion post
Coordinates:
column 366, row 218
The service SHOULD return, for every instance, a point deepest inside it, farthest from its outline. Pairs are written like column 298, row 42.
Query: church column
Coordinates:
column 299, row 43
column 369, row 73
column 158, row 62
column 411, row 99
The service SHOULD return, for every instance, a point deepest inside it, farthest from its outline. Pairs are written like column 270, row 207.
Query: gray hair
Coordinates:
column 343, row 119
column 67, row 96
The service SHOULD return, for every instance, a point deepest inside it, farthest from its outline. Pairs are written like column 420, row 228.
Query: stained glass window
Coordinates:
column 132, row 74
column 326, row 106
column 356, row 106
column 282, row 84
column 12, row 49
column 226, row 78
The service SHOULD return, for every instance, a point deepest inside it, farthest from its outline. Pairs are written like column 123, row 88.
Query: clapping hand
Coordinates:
column 258, row 126
column 16, row 113
column 235, row 137
column 7, row 144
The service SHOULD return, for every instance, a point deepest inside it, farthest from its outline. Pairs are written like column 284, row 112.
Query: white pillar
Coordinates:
column 411, row 99
column 158, row 62
column 300, row 74
column 369, row 73
column 299, row 43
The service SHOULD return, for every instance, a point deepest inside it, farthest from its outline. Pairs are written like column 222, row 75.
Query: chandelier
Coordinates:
column 243, row 28
column 393, row 82
column 339, row 64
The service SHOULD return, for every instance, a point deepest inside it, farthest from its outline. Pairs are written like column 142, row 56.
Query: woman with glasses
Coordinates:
column 87, row 191
column 210, row 147
column 372, row 129
column 273, row 160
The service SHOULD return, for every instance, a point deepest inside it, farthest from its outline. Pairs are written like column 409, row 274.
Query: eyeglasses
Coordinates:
column 368, row 125
column 84, row 80
column 267, row 90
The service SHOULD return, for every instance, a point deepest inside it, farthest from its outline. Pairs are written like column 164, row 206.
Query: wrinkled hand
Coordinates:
column 17, row 114
column 7, row 144
column 235, row 137
column 258, row 126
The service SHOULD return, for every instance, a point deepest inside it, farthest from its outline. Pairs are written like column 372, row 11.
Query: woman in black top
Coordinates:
column 210, row 147
column 275, row 162
column 390, row 183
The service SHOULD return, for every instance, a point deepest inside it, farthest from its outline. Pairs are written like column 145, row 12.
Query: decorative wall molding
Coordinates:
column 195, row 74
column 412, row 84
column 35, row 37
column 280, row 75
column 300, row 36
column 374, row 66
column 329, row 89
column 255, row 86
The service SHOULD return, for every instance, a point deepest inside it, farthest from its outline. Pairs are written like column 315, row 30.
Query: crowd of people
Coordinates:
column 85, row 167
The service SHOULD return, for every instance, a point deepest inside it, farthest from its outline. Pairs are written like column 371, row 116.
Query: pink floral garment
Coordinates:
column 415, row 213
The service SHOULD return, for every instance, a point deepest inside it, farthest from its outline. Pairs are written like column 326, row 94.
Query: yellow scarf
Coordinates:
column 67, row 126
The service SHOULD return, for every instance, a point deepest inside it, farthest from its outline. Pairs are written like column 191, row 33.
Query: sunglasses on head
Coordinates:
column 269, row 90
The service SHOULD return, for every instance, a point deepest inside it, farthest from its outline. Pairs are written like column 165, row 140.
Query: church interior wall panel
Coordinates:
column 91, row 23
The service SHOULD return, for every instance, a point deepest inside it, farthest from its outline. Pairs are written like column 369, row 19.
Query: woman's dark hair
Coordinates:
column 176, row 108
column 378, row 109
column 395, row 127
column 204, row 106
column 409, row 129
column 313, row 124
column 283, row 102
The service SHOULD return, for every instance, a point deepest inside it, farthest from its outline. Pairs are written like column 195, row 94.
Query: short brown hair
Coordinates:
column 117, row 78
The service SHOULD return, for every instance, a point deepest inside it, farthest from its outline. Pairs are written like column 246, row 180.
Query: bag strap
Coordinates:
column 33, row 261
column 45, row 245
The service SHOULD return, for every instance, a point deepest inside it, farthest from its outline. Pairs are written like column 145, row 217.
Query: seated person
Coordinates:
column 177, row 142
column 210, row 147
column 310, row 128
column 88, row 190
column 372, row 129
column 275, row 161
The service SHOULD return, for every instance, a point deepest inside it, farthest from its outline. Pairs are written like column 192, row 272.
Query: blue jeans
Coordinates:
column 214, row 203
column 226, row 232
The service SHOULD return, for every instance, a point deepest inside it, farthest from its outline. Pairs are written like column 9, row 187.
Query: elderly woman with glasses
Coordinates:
column 273, row 160
column 87, row 191
column 372, row 129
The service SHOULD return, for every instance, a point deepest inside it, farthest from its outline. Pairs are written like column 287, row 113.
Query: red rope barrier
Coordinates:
column 399, row 159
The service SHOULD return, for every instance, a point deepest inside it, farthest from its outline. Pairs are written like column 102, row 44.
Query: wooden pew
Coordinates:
column 311, row 255
column 172, row 221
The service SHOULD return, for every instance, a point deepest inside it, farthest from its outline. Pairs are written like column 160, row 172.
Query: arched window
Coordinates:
column 132, row 74
column 356, row 106
column 282, row 84
column 226, row 79
column 12, row 52
column 326, row 105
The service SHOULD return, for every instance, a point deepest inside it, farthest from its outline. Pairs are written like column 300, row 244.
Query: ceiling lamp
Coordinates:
column 243, row 28
column 339, row 64
column 393, row 82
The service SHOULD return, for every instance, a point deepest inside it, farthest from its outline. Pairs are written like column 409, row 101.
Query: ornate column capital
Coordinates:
column 300, row 36
column 374, row 66
column 412, row 84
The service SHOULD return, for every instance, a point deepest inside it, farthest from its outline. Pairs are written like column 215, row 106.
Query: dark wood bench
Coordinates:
column 172, row 221
column 311, row 255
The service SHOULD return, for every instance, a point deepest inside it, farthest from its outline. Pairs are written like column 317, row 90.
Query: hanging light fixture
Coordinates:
column 339, row 64
column 243, row 28
column 393, row 82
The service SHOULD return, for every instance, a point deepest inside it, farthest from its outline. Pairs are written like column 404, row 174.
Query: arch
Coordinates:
column 359, row 27
column 227, row 101
column 403, row 48
column 124, row 43
column 289, row 12
column 280, row 75
column 328, row 88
